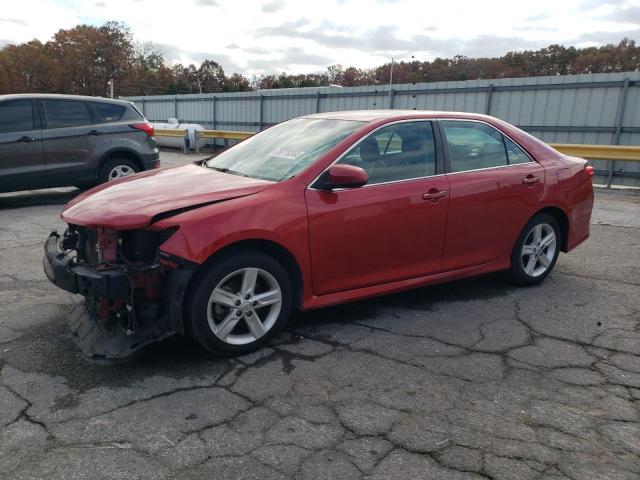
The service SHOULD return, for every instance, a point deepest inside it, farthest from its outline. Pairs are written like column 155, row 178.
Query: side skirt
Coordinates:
column 319, row 301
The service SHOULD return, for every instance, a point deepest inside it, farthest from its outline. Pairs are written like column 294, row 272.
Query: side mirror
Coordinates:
column 342, row 176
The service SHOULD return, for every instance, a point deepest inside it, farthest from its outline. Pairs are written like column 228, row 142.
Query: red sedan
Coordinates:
column 315, row 211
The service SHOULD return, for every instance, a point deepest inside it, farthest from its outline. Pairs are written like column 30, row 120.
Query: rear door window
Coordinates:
column 66, row 113
column 106, row 112
column 473, row 145
column 16, row 116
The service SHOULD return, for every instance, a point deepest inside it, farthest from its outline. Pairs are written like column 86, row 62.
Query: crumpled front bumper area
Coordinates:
column 62, row 272
column 116, row 319
column 97, row 339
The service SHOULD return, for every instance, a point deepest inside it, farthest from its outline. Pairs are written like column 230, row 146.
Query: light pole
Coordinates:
column 110, row 84
column 390, row 80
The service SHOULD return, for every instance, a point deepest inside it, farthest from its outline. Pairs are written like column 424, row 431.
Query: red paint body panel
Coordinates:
column 366, row 236
column 488, row 209
column 133, row 201
column 361, row 242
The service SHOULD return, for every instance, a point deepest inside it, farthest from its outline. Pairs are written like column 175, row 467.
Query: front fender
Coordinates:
column 275, row 215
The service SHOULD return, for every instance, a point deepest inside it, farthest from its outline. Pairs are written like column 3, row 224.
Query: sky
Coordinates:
column 271, row 36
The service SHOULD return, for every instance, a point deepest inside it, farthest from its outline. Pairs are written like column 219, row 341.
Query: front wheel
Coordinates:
column 239, row 303
column 536, row 250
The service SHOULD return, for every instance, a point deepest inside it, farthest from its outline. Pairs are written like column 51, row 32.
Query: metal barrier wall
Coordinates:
column 593, row 109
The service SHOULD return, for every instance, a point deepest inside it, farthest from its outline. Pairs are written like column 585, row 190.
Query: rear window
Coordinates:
column 16, row 116
column 66, row 113
column 135, row 109
column 106, row 112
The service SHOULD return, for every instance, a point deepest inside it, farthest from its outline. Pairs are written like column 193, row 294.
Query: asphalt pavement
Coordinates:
column 467, row 380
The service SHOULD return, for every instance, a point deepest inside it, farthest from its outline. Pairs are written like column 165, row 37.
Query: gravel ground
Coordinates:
column 472, row 379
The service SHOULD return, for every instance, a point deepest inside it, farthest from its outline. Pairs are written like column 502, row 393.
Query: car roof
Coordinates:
column 376, row 115
column 58, row 96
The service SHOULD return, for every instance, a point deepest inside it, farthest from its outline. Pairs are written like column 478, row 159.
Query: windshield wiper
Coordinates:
column 227, row 170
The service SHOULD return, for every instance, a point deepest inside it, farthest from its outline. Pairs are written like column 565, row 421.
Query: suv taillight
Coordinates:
column 145, row 127
column 589, row 170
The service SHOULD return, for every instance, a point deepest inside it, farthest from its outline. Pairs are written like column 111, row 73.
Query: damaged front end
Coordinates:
column 133, row 291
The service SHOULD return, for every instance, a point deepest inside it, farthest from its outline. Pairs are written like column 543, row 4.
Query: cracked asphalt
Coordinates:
column 468, row 380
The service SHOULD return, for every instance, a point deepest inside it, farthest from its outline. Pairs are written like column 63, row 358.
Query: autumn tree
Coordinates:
column 26, row 68
column 87, row 57
column 210, row 77
column 236, row 83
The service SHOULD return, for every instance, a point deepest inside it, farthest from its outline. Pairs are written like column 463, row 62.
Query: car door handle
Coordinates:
column 26, row 139
column 529, row 179
column 94, row 132
column 434, row 194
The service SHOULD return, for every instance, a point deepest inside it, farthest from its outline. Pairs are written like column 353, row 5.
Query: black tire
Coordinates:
column 197, row 302
column 110, row 165
column 518, row 273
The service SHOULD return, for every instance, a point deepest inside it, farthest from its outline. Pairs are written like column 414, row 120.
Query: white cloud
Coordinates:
column 294, row 36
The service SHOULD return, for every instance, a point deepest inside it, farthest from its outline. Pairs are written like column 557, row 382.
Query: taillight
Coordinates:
column 145, row 127
column 589, row 170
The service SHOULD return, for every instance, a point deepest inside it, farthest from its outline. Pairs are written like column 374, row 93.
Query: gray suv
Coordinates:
column 64, row 140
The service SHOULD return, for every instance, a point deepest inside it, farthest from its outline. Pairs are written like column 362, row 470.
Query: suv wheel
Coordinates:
column 536, row 250
column 239, row 303
column 117, row 168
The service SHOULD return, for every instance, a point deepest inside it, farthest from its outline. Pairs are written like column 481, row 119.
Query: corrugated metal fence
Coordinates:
column 589, row 109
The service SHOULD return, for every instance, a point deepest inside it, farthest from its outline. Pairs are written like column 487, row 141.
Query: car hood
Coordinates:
column 133, row 202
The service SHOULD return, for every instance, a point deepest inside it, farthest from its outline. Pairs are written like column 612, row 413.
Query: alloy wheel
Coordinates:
column 538, row 249
column 120, row 171
column 244, row 306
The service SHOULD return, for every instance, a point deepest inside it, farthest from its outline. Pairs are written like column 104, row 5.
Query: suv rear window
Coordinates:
column 106, row 112
column 66, row 113
column 16, row 116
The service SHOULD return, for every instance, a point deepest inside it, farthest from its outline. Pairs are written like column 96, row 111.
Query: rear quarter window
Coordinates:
column 106, row 112
column 515, row 153
column 135, row 110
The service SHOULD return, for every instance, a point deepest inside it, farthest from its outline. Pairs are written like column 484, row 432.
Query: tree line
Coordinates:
column 81, row 60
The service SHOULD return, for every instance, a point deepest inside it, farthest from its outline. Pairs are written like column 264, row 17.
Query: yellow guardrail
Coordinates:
column 227, row 134
column 198, row 134
column 600, row 152
column 169, row 133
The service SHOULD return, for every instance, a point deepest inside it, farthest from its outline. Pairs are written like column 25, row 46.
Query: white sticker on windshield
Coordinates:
column 287, row 153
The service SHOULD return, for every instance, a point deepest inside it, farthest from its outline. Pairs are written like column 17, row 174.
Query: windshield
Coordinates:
column 285, row 149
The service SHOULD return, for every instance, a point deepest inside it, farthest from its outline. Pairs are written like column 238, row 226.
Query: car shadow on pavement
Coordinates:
column 486, row 287
column 180, row 357
column 33, row 198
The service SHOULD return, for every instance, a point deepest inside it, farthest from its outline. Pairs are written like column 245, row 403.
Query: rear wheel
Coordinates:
column 239, row 303
column 536, row 250
column 117, row 168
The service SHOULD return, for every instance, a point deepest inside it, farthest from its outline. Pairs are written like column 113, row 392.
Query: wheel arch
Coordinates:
column 124, row 153
column 268, row 247
column 563, row 222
